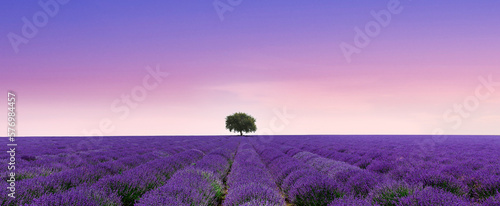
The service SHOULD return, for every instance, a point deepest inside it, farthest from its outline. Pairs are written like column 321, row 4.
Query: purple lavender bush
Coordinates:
column 249, row 182
column 189, row 186
column 482, row 185
column 390, row 193
column 132, row 184
column 350, row 201
column 200, row 184
column 430, row 196
column 492, row 201
column 302, row 184
column 438, row 179
column 82, row 195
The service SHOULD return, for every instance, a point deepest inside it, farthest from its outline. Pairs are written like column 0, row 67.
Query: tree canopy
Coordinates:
column 240, row 122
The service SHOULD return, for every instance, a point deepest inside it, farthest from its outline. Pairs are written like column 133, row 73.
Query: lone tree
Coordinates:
column 240, row 122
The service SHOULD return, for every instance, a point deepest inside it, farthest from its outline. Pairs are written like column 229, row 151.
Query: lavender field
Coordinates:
column 256, row 171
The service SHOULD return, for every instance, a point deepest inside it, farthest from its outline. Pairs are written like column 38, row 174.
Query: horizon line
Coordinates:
column 266, row 135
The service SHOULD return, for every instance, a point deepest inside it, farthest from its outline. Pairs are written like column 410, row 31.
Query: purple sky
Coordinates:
column 424, row 71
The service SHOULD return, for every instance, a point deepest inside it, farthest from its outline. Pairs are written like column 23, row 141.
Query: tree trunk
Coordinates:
column 241, row 133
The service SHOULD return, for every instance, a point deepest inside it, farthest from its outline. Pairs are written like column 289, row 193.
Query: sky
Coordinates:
column 86, row 68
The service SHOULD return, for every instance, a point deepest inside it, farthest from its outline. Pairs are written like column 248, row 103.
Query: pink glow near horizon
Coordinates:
column 259, row 60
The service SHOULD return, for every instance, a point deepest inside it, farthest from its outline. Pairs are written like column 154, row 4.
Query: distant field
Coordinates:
column 256, row 171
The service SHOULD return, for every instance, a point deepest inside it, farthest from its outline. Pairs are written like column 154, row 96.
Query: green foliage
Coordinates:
column 218, row 191
column 240, row 122
column 389, row 195
column 217, row 188
column 317, row 196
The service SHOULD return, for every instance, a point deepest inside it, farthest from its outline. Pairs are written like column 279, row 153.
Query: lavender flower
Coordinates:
column 432, row 197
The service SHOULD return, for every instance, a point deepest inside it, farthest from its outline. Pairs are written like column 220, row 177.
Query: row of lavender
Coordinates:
column 202, row 183
column 75, row 180
column 126, row 188
column 300, row 183
column 364, row 187
column 121, row 189
column 426, row 181
column 258, row 176
column 250, row 183
column 47, row 165
column 33, row 162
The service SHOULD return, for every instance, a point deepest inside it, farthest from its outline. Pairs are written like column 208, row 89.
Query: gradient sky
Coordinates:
column 263, row 58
